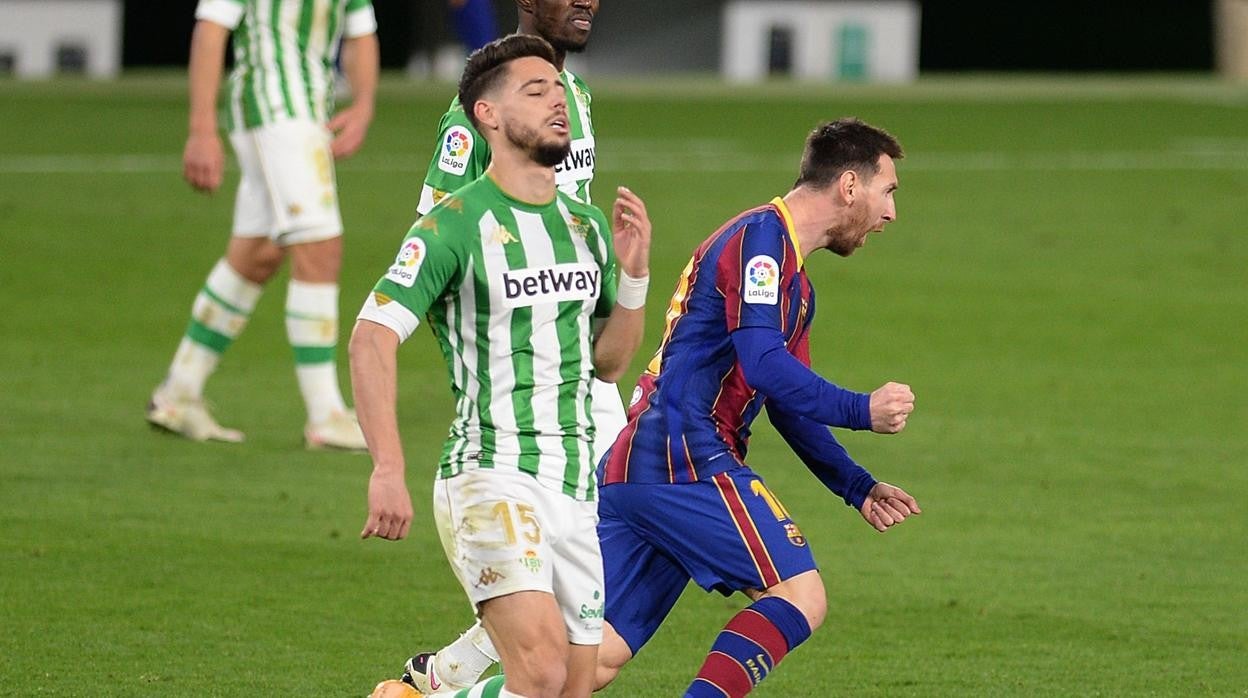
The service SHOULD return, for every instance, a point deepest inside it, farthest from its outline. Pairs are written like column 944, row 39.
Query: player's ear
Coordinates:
column 848, row 184
column 525, row 6
column 486, row 114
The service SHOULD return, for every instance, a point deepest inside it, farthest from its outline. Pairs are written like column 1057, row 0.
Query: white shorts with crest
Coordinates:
column 287, row 191
column 504, row 533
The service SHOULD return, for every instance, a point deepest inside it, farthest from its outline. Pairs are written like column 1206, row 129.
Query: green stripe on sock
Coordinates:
column 203, row 335
column 315, row 355
column 307, row 316
column 224, row 303
column 493, row 687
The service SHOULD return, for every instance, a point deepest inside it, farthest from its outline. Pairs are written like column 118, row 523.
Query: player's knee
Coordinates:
column 806, row 592
column 613, row 654
column 539, row 670
column 608, row 668
column 256, row 262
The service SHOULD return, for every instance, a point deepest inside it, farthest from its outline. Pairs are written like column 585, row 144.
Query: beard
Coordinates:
column 544, row 152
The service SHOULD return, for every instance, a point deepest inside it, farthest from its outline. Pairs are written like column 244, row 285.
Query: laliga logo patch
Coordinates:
column 456, row 148
column 762, row 276
column 407, row 264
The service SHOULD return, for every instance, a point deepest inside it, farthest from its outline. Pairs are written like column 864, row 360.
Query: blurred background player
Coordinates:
column 278, row 115
column 474, row 22
column 515, row 498
column 737, row 338
column 460, row 156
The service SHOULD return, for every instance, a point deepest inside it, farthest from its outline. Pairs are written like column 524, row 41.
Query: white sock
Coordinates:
column 462, row 662
column 219, row 314
column 312, row 328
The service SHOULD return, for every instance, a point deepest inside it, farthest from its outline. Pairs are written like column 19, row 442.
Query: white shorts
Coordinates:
column 287, row 190
column 504, row 533
column 609, row 418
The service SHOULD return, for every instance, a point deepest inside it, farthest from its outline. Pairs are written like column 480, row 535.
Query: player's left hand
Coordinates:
column 349, row 128
column 630, row 231
column 886, row 506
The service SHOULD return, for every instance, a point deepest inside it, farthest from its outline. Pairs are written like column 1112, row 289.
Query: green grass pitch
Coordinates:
column 1066, row 289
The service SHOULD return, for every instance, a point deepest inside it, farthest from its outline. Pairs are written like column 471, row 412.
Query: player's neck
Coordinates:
column 812, row 217
column 519, row 177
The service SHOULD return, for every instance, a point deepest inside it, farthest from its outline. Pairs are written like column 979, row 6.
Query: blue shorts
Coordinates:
column 727, row 533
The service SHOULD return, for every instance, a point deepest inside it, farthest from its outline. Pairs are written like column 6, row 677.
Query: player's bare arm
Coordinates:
column 203, row 159
column 360, row 58
column 374, row 382
column 891, row 405
column 886, row 506
column 622, row 333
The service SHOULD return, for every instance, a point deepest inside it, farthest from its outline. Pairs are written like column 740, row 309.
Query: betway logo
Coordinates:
column 561, row 282
column 579, row 164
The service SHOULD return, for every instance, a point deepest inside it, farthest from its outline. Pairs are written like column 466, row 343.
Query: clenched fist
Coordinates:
column 891, row 405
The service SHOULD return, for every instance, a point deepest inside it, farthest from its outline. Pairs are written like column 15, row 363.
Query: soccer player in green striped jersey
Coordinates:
column 509, row 272
column 460, row 156
column 278, row 116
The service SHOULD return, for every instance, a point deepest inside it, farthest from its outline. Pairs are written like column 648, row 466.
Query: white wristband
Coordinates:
column 632, row 292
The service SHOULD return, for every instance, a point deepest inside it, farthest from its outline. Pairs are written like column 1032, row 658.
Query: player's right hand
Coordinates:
column 891, row 405
column 203, row 162
column 389, row 507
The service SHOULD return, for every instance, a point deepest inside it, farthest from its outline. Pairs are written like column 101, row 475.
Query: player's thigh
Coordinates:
column 525, row 627
column 642, row 582
column 298, row 175
column 728, row 531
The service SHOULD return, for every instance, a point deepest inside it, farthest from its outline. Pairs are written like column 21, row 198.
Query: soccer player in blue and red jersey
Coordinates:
column 678, row 501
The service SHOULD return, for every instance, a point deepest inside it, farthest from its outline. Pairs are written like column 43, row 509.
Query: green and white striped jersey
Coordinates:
column 510, row 290
column 461, row 154
column 284, row 52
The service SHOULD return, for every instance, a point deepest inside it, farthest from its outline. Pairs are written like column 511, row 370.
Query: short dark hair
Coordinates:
column 487, row 66
column 836, row 147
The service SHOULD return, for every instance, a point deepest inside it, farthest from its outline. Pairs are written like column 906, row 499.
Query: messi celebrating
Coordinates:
column 736, row 340
column 510, row 274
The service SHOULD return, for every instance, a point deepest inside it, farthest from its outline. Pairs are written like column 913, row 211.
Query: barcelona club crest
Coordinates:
column 795, row 534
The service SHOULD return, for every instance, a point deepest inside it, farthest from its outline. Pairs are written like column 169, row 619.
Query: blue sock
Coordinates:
column 748, row 648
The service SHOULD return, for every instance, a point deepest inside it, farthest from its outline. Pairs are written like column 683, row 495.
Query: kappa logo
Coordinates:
column 762, row 276
column 574, row 281
column 407, row 264
column 456, row 150
column 489, row 576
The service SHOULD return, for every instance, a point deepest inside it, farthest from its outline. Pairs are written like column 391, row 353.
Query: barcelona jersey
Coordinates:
column 692, row 408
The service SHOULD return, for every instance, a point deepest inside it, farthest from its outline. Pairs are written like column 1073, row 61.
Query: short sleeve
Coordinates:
column 460, row 156
column 360, row 19
column 749, row 273
column 227, row 13
column 424, row 269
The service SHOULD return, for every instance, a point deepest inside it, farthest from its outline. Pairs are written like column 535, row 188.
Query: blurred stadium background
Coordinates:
column 1066, row 289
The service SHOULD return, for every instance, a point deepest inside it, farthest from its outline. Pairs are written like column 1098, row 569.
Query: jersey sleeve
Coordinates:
column 749, row 276
column 610, row 267
column 460, row 156
column 360, row 19
column 424, row 268
column 227, row 13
